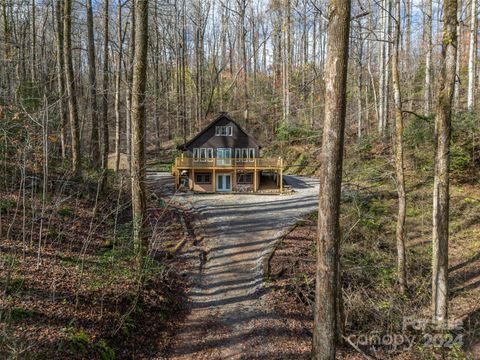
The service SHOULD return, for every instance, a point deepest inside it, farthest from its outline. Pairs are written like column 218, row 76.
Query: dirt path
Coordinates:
column 229, row 318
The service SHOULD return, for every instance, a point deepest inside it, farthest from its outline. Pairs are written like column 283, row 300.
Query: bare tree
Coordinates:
column 106, row 58
column 118, row 80
column 384, row 59
column 327, row 299
column 472, row 55
column 92, row 77
column 70, row 82
column 399, row 167
column 456, row 94
column 442, row 149
column 138, row 131
column 428, row 57
column 61, row 77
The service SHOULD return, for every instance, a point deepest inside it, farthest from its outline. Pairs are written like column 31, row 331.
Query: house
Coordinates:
column 225, row 158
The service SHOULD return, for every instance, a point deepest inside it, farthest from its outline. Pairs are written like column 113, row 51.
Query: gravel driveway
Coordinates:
column 228, row 315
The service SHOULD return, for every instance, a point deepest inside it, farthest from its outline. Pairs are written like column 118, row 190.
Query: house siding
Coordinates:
column 208, row 139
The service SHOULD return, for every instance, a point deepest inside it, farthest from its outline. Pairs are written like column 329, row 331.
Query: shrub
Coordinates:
column 65, row 211
column 291, row 133
column 18, row 314
column 460, row 159
column 364, row 146
column 419, row 132
column 106, row 352
column 79, row 341
column 6, row 205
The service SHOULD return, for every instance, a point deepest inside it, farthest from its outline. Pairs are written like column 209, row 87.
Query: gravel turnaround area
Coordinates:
column 230, row 317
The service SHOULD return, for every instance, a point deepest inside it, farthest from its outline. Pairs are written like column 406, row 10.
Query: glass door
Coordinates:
column 224, row 156
column 224, row 182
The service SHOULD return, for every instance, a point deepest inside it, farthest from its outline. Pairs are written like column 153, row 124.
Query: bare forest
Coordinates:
column 122, row 239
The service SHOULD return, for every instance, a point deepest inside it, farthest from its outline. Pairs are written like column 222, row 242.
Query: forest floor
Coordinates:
column 68, row 284
column 373, row 307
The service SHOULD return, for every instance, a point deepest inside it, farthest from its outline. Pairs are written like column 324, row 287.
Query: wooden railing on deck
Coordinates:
column 188, row 163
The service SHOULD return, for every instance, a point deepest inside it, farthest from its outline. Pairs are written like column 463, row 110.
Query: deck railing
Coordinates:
column 188, row 163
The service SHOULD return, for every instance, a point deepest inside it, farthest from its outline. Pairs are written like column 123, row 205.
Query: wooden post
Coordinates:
column 193, row 179
column 234, row 179
column 281, row 176
column 255, row 176
column 214, row 180
column 177, row 179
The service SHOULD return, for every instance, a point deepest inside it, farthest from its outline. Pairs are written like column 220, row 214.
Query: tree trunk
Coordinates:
column 128, row 75
column 105, row 133
column 140, row 237
column 442, row 150
column 408, row 27
column 327, row 300
column 183, row 65
column 399, row 168
column 118, row 79
column 70, row 82
column 456, row 94
column 472, row 56
column 7, row 47
column 428, row 58
column 360, row 87
column 33, row 67
column 243, row 45
column 61, row 79
column 92, row 77
column 384, row 69
column 286, row 61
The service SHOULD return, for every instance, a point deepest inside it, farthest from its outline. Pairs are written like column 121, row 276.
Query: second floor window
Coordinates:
column 203, row 154
column 246, row 154
column 223, row 131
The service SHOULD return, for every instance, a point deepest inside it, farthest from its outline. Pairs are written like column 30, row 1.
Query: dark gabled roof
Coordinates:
column 219, row 117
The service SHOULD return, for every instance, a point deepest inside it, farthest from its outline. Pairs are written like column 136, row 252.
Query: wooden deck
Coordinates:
column 255, row 166
column 229, row 163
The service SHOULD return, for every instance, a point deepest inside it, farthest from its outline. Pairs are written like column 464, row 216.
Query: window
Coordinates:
column 245, row 154
column 251, row 154
column 203, row 178
column 203, row 154
column 209, row 154
column 246, row 178
column 223, row 131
